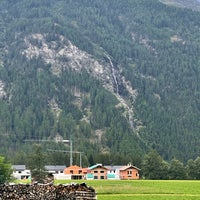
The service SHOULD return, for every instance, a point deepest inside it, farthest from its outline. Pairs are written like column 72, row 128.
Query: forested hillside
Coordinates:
column 115, row 78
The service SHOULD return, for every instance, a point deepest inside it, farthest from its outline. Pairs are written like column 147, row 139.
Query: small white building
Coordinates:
column 113, row 172
column 20, row 172
column 57, row 171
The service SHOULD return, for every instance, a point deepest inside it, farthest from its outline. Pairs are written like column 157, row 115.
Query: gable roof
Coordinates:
column 97, row 165
column 128, row 167
column 55, row 167
column 19, row 167
column 73, row 167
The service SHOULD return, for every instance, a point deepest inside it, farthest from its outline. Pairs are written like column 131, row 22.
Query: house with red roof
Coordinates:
column 75, row 172
column 129, row 172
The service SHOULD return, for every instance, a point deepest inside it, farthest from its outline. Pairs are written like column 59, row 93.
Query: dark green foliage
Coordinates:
column 154, row 167
column 177, row 170
column 194, row 168
column 5, row 170
column 36, row 164
column 156, row 48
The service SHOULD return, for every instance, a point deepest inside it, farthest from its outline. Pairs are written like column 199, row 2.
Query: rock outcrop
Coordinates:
column 63, row 55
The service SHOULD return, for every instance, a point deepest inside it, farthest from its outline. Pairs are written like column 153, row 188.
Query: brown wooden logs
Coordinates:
column 47, row 192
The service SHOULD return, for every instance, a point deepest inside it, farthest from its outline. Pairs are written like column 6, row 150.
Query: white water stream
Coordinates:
column 124, row 102
column 113, row 73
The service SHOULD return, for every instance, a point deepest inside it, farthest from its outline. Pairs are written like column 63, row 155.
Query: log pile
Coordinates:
column 47, row 192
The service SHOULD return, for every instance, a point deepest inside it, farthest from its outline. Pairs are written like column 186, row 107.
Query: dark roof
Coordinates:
column 55, row 167
column 48, row 167
column 19, row 167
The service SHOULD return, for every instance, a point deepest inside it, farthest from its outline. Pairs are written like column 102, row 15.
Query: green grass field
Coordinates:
column 144, row 189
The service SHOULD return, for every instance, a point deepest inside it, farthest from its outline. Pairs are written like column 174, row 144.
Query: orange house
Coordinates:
column 129, row 172
column 76, row 172
column 97, row 172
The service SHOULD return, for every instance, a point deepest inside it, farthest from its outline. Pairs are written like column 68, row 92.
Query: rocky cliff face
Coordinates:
column 2, row 91
column 63, row 55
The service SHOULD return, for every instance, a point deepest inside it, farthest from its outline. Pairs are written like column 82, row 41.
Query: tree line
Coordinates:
column 153, row 167
column 156, row 168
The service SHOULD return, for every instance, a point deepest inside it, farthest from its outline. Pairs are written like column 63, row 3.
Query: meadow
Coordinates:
column 144, row 189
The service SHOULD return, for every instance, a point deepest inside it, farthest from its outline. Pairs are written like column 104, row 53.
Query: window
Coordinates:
column 129, row 172
column 95, row 177
column 102, row 172
column 95, row 172
column 102, row 177
column 80, row 171
column 71, row 171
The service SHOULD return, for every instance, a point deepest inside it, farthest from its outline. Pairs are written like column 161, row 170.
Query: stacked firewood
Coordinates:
column 47, row 192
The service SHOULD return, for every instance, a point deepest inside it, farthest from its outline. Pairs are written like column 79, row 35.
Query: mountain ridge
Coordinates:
column 118, row 79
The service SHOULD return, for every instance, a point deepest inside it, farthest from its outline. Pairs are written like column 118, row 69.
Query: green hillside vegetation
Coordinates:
column 155, row 46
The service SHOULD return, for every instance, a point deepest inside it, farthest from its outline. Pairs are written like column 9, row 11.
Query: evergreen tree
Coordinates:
column 36, row 164
column 193, row 167
column 154, row 167
column 177, row 171
column 5, row 170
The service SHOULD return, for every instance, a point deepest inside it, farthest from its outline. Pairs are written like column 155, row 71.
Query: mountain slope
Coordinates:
column 117, row 79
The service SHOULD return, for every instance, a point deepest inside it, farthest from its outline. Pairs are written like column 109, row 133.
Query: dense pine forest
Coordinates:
column 52, row 53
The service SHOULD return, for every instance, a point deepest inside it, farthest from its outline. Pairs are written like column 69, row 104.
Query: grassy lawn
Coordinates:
column 144, row 189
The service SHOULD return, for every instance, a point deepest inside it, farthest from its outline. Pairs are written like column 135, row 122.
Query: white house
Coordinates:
column 57, row 171
column 20, row 172
column 113, row 172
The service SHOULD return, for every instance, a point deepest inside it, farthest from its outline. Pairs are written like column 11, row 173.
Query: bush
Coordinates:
column 5, row 170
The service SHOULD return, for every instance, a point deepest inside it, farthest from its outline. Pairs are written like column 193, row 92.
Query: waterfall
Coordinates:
column 125, row 102
column 113, row 73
